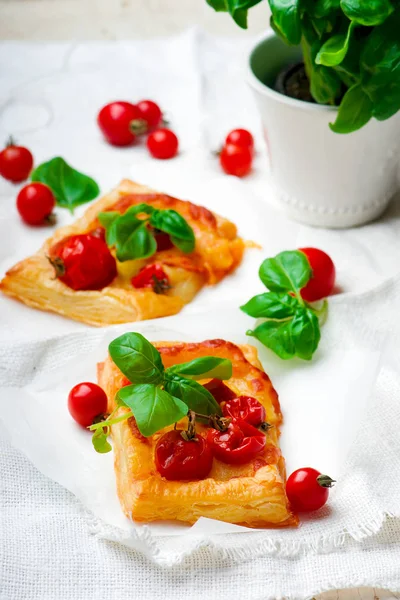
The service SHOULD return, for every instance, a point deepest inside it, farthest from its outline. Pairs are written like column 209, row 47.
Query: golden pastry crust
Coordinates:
column 252, row 494
column 218, row 252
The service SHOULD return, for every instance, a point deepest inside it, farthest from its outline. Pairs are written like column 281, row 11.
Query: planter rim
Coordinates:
column 264, row 89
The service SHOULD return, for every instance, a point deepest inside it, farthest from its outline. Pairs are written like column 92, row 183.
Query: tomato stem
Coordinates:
column 325, row 481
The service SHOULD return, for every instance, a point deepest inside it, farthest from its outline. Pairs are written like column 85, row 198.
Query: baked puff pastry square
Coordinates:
column 218, row 252
column 252, row 494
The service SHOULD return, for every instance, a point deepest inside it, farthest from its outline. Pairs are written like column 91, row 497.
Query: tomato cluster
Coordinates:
column 123, row 122
column 236, row 156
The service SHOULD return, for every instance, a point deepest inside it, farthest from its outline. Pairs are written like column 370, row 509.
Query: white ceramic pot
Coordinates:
column 322, row 178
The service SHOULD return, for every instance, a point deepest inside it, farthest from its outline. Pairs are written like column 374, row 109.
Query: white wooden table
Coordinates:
column 124, row 19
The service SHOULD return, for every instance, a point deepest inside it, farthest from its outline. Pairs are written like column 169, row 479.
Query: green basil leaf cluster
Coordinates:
column 351, row 51
column 133, row 238
column 158, row 397
column 70, row 187
column 291, row 327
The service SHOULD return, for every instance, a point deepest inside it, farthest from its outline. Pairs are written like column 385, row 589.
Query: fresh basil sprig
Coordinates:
column 133, row 237
column 158, row 397
column 292, row 325
column 70, row 187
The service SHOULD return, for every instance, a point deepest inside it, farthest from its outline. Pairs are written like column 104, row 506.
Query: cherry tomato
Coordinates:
column 120, row 123
column 236, row 160
column 162, row 143
column 247, row 408
column 87, row 402
column 219, row 390
column 83, row 262
column 240, row 137
column 239, row 444
column 178, row 459
column 151, row 113
column 163, row 241
column 152, row 276
column 35, row 203
column 323, row 275
column 16, row 163
column 307, row 489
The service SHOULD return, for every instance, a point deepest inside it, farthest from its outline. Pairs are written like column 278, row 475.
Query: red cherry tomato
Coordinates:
column 152, row 276
column 247, row 408
column 87, row 402
column 240, row 137
column 162, row 143
column 163, row 241
column 16, row 163
column 83, row 262
column 220, row 391
column 236, row 160
column 323, row 275
column 35, row 203
column 178, row 459
column 307, row 489
column 150, row 112
column 120, row 123
column 239, row 444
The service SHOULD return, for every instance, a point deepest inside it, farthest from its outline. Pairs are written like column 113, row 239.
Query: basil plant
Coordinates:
column 351, row 51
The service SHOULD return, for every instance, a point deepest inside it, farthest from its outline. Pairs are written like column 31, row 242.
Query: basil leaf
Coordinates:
column 322, row 8
column 194, row 395
column 206, row 367
column 305, row 333
column 355, row 111
column 277, row 336
column 100, row 442
column 179, row 230
column 137, row 358
column 367, row 12
column 334, row 50
column 70, row 187
column 218, row 5
column 286, row 16
column 325, row 84
column 287, row 271
column 139, row 244
column 152, row 407
column 271, row 305
column 108, row 221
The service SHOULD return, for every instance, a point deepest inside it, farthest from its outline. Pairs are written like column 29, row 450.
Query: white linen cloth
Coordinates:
column 49, row 95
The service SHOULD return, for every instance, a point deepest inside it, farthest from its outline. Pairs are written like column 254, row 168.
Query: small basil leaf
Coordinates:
column 139, row 244
column 206, row 367
column 179, row 230
column 137, row 358
column 152, row 407
column 333, row 51
column 286, row 15
column 197, row 397
column 367, row 12
column 218, row 5
column 277, row 336
column 305, row 333
column 70, row 187
column 287, row 271
column 271, row 306
column 108, row 221
column 355, row 111
column 323, row 8
column 325, row 84
column 100, row 442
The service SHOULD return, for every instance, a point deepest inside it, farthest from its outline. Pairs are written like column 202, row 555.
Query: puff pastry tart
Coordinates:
column 218, row 251
column 251, row 494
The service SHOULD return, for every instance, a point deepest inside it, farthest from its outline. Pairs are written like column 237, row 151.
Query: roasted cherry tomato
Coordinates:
column 239, row 444
column 240, row 137
column 307, row 489
column 35, row 203
column 162, row 143
column 152, row 276
column 220, row 391
column 151, row 113
column 236, row 160
column 323, row 275
column 87, row 402
column 120, row 123
column 16, row 163
column 83, row 262
column 247, row 408
column 179, row 459
column 163, row 241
